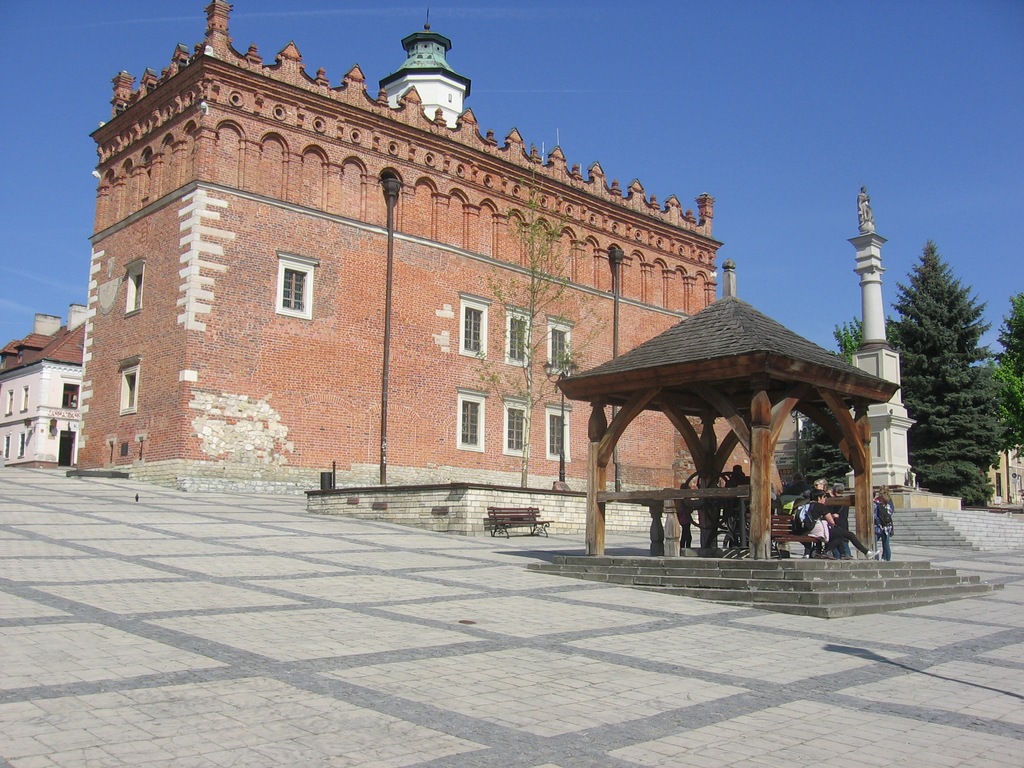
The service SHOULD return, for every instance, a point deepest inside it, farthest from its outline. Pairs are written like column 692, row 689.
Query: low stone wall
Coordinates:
column 223, row 477
column 921, row 499
column 461, row 508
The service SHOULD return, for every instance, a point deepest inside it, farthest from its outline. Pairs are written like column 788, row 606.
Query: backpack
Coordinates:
column 802, row 523
column 883, row 518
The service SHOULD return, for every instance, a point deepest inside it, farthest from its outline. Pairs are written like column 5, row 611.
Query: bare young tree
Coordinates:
column 542, row 326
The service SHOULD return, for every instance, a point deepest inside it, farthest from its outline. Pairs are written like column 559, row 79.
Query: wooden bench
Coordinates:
column 503, row 518
column 782, row 533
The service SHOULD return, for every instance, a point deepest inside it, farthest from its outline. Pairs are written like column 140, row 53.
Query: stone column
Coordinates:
column 889, row 421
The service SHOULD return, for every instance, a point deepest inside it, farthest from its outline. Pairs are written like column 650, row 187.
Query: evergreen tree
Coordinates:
column 948, row 384
column 824, row 459
column 1010, row 375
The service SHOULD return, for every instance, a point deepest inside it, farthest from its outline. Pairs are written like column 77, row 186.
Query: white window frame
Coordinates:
column 289, row 262
column 75, row 389
column 134, row 286
column 556, row 411
column 558, row 326
column 22, row 444
column 513, row 405
column 480, row 400
column 471, row 303
column 10, row 403
column 7, row 446
column 511, row 316
column 130, row 380
column 24, row 399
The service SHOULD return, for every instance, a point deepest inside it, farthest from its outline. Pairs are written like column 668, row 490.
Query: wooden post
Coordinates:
column 596, row 479
column 865, row 514
column 595, row 509
column 760, row 476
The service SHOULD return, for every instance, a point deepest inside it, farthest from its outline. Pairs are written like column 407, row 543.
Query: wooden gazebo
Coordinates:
column 729, row 361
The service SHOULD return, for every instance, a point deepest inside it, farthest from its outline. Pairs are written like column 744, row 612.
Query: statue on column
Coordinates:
column 864, row 214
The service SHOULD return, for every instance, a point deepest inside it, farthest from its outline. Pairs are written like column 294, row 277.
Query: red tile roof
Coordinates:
column 63, row 347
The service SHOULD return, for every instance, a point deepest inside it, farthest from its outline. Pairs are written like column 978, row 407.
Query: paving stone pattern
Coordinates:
column 227, row 630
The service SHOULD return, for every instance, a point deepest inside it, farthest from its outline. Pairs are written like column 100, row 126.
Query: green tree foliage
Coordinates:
column 1010, row 375
column 948, row 384
column 848, row 337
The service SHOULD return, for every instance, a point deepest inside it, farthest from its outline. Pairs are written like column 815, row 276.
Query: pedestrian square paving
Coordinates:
column 233, row 630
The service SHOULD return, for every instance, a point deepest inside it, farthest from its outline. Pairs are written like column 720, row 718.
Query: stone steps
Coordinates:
column 826, row 589
column 926, row 528
column 973, row 528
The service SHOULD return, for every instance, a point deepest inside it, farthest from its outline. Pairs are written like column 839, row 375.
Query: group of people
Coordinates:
column 831, row 522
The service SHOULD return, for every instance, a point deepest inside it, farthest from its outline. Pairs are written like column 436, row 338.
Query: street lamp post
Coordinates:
column 556, row 372
column 391, row 186
column 615, row 256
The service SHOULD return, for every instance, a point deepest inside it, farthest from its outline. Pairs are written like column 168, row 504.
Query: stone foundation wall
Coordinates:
column 210, row 477
column 920, row 499
column 461, row 508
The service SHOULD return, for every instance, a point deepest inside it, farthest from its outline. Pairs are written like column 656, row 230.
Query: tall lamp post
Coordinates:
column 555, row 373
column 391, row 186
column 615, row 256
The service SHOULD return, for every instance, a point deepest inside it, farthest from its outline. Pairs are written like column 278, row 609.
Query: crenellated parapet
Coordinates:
column 207, row 79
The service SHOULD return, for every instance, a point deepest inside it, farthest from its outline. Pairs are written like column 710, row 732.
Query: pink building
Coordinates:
column 40, row 381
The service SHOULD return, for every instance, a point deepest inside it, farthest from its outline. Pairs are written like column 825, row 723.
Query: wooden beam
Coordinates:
column 858, row 455
column 672, row 494
column 701, row 461
column 723, row 406
column 725, row 449
column 633, row 407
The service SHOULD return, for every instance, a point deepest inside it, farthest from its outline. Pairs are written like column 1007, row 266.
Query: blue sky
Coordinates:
column 780, row 110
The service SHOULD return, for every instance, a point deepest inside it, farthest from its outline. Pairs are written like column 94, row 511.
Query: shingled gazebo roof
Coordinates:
column 725, row 346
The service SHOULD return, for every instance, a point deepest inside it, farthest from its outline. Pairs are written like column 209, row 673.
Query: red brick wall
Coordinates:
column 306, row 167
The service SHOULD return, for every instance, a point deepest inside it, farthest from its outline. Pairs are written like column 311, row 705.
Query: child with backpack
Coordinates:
column 884, row 509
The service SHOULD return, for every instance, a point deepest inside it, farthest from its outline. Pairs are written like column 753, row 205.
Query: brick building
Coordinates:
column 40, row 383
column 239, row 275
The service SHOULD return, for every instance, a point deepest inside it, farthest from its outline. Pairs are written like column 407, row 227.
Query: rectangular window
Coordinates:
column 515, row 428
column 471, row 421
column 22, row 444
column 130, row 385
column 517, row 338
column 24, row 399
column 295, row 285
column 10, row 403
column 294, row 291
column 7, row 446
column 559, row 351
column 133, row 282
column 70, row 396
column 555, row 438
column 474, row 327
column 558, row 432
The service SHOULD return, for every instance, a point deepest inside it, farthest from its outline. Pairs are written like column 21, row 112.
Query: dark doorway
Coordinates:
column 66, row 451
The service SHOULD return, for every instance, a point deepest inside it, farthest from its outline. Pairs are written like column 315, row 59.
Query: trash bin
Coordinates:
column 326, row 481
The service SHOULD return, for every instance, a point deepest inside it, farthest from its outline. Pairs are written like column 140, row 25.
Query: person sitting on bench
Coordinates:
column 825, row 527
